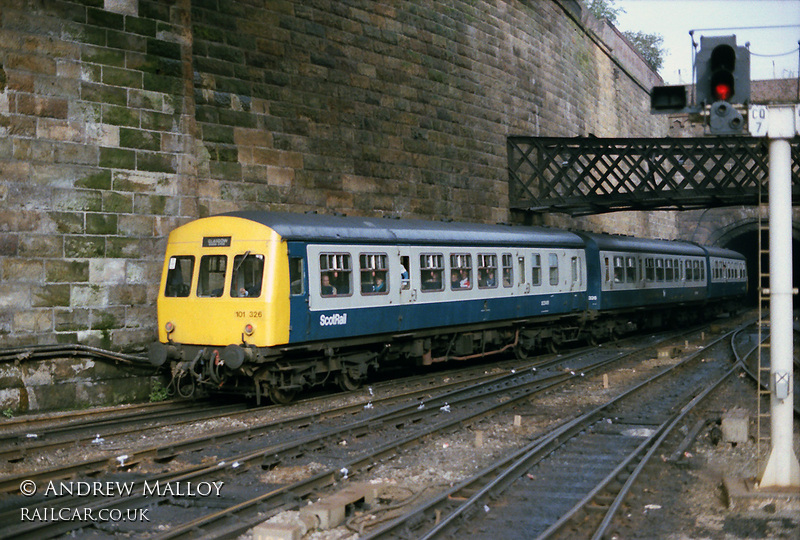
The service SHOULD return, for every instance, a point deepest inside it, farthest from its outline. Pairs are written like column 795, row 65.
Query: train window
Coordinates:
column 374, row 273
column 576, row 270
column 696, row 271
column 487, row 270
column 607, row 272
column 659, row 269
column 335, row 274
column 460, row 271
column 248, row 272
column 649, row 269
column 536, row 270
column 431, row 271
column 702, row 274
column 641, row 268
column 211, row 280
column 553, row 258
column 508, row 270
column 669, row 271
column 405, row 281
column 619, row 270
column 688, row 270
column 295, row 275
column 630, row 270
column 179, row 276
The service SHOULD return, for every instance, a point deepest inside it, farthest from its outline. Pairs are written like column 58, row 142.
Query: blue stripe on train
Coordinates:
column 348, row 323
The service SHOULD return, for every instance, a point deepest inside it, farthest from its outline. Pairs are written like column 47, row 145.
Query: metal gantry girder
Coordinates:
column 585, row 175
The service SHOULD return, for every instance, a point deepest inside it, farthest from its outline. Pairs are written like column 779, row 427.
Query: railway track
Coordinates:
column 417, row 390
column 29, row 439
column 369, row 427
column 578, row 474
column 746, row 352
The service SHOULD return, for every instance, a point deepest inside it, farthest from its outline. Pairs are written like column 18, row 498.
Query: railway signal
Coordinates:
column 723, row 80
column 722, row 83
column 723, row 71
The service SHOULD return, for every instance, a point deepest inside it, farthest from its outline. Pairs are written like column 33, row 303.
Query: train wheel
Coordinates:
column 348, row 383
column 281, row 397
column 551, row 347
column 521, row 352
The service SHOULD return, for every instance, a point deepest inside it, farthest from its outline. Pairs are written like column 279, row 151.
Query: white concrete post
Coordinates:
column 782, row 468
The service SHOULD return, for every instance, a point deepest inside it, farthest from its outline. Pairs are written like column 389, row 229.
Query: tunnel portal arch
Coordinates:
column 742, row 236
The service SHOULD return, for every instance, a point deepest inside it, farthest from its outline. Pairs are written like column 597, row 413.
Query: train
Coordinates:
column 269, row 304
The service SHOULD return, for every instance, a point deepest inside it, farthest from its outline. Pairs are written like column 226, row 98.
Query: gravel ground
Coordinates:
column 679, row 501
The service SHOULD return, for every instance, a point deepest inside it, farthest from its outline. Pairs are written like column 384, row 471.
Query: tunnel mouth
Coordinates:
column 746, row 243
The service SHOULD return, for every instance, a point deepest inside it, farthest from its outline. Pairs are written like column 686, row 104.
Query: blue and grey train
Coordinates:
column 273, row 303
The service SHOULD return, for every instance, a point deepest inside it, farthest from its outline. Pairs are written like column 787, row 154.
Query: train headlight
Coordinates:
column 249, row 329
column 169, row 327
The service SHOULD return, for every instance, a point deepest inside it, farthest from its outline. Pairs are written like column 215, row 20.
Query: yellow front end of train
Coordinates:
column 225, row 281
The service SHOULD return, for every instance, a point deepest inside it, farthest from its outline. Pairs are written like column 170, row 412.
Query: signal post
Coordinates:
column 723, row 82
column 779, row 124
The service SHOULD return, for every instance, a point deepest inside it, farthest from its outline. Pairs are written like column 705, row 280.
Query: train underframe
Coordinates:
column 282, row 372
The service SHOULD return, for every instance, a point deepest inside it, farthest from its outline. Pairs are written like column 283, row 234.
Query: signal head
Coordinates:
column 723, row 71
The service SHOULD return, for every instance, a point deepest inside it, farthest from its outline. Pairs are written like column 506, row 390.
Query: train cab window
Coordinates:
column 487, row 270
column 460, row 271
column 536, row 270
column 211, row 279
column 630, row 270
column 295, row 275
column 508, row 270
column 248, row 273
column 649, row 269
column 553, row 258
column 179, row 276
column 335, row 274
column 619, row 270
column 431, row 271
column 374, row 273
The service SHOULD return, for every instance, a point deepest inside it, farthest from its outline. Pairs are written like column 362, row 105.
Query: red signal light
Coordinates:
column 723, row 91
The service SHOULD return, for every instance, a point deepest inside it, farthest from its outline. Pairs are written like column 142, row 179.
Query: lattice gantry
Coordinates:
column 580, row 176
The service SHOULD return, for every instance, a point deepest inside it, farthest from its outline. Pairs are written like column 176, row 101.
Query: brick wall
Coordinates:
column 120, row 119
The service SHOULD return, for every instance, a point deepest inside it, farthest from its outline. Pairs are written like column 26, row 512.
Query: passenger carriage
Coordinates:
column 727, row 273
column 293, row 299
column 272, row 302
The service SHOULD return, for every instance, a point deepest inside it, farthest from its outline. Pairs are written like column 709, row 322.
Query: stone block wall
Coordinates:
column 121, row 119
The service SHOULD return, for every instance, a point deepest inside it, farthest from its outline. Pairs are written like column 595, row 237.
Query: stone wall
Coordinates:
column 120, row 119
column 70, row 382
